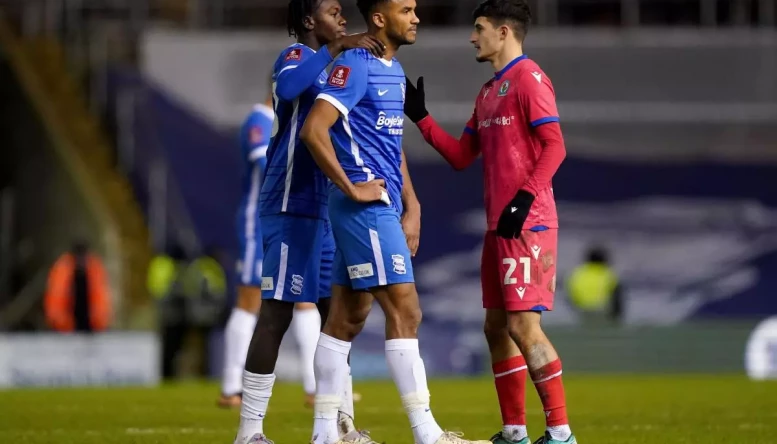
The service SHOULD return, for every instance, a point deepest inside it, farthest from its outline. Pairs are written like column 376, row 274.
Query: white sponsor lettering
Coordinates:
column 393, row 124
column 360, row 271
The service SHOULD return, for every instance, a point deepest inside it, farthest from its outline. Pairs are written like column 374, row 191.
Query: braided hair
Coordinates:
column 298, row 10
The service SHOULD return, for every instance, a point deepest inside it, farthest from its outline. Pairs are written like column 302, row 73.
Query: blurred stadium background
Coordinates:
column 120, row 125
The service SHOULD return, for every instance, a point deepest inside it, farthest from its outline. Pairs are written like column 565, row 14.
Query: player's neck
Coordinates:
column 507, row 55
column 310, row 41
column 391, row 47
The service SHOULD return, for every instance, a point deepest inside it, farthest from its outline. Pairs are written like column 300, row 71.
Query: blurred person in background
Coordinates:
column 515, row 125
column 254, row 138
column 77, row 295
column 595, row 290
column 164, row 281
column 297, row 238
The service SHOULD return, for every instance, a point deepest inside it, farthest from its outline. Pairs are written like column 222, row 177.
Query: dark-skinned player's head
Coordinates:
column 323, row 18
column 499, row 23
column 395, row 19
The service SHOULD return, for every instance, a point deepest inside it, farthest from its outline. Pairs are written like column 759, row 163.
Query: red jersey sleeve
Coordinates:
column 460, row 153
column 539, row 105
column 537, row 98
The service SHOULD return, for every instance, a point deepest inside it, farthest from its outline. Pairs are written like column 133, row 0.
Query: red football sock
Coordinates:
column 510, row 381
column 547, row 380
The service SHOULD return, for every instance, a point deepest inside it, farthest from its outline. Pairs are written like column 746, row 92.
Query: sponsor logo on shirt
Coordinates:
column 360, row 271
column 499, row 120
column 394, row 124
column 339, row 76
column 294, row 54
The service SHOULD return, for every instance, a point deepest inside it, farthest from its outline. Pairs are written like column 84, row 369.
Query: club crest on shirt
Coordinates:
column 339, row 76
column 504, row 88
column 294, row 54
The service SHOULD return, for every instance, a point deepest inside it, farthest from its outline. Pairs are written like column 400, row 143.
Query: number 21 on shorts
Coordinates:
column 512, row 265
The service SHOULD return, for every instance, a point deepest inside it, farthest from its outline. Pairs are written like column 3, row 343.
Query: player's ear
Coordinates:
column 379, row 20
column 309, row 22
column 504, row 32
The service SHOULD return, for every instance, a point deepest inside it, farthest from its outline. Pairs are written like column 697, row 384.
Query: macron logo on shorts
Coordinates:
column 360, row 271
column 267, row 283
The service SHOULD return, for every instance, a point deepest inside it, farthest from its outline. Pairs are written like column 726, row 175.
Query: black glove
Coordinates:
column 415, row 100
column 514, row 215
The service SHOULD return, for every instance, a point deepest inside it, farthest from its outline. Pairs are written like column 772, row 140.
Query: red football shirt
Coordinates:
column 509, row 107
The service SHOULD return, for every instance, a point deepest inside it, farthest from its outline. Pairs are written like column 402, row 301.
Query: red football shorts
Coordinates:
column 519, row 274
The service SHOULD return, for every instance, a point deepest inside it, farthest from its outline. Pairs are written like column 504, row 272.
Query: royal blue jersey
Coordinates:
column 370, row 95
column 254, row 140
column 293, row 182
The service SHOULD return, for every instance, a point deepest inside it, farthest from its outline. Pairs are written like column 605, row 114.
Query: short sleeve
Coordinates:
column 347, row 82
column 538, row 99
column 256, row 136
column 291, row 58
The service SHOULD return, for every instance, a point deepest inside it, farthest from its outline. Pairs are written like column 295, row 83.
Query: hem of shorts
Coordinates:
column 527, row 307
column 551, row 226
column 394, row 282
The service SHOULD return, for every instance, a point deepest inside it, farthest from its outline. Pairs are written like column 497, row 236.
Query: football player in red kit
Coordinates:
column 515, row 126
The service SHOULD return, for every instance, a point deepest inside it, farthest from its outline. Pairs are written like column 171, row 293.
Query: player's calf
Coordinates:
column 509, row 369
column 258, row 377
column 544, row 368
column 237, row 337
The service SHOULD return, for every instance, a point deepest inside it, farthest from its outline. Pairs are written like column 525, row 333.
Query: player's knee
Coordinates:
column 496, row 333
column 403, row 321
column 249, row 299
column 524, row 328
column 275, row 316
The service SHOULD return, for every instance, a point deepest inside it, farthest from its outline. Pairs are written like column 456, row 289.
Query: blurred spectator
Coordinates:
column 77, row 296
column 594, row 288
column 190, row 294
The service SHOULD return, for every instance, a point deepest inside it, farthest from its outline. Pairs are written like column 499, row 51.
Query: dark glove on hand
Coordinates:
column 514, row 215
column 415, row 100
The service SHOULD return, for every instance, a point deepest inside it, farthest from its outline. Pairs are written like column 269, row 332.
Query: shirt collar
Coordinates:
column 501, row 72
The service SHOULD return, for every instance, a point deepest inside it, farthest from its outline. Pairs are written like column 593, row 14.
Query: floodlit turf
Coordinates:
column 604, row 410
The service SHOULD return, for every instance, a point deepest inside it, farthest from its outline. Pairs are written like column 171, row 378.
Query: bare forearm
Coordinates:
column 320, row 146
column 409, row 199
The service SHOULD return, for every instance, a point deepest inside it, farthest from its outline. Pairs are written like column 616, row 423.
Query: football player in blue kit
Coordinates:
column 296, row 234
column 354, row 132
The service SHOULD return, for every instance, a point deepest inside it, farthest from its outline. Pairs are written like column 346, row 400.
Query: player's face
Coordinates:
column 401, row 23
column 329, row 21
column 487, row 39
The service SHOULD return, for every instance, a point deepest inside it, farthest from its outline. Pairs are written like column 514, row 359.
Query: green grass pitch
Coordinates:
column 603, row 410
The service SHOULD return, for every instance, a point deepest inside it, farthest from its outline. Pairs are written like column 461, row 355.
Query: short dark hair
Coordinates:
column 516, row 13
column 295, row 18
column 366, row 7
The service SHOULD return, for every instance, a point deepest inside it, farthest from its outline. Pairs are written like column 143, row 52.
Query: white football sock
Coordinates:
column 560, row 433
column 257, row 390
column 237, row 338
column 407, row 370
column 515, row 432
column 306, row 326
column 347, row 405
column 331, row 368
